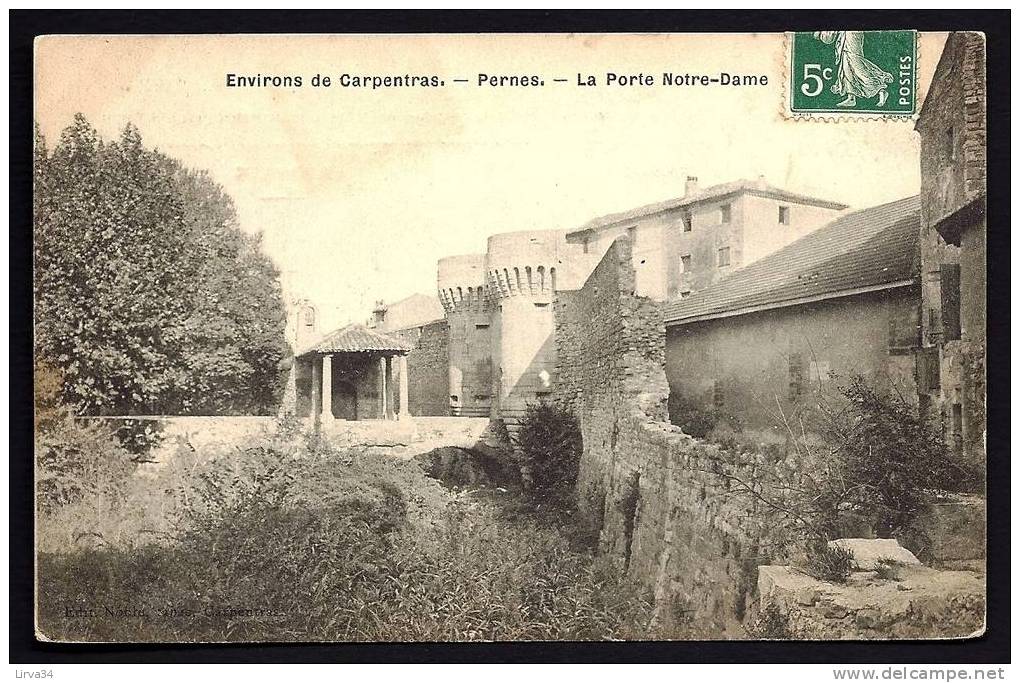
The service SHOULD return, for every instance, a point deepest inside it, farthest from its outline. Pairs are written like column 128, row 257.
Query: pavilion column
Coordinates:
column 316, row 408
column 327, row 386
column 383, row 388
column 391, row 408
column 405, row 412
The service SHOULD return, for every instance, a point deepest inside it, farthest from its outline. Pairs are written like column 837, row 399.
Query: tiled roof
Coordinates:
column 865, row 249
column 709, row 193
column 355, row 338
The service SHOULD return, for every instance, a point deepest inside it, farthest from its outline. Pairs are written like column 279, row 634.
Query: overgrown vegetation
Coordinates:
column 691, row 417
column 549, row 451
column 868, row 459
column 291, row 539
column 828, row 563
column 888, row 569
column 75, row 462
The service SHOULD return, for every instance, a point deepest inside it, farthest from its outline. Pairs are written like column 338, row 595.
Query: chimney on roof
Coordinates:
column 691, row 186
column 378, row 314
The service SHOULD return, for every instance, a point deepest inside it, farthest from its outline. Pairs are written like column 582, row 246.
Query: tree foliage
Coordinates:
column 148, row 296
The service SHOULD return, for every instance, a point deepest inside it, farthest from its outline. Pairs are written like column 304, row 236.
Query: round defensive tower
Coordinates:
column 461, row 284
column 521, row 271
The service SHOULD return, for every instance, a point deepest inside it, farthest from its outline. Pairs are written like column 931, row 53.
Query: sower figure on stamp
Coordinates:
column 858, row 76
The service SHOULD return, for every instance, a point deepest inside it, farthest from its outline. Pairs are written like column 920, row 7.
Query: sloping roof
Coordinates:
column 867, row 249
column 354, row 338
column 715, row 192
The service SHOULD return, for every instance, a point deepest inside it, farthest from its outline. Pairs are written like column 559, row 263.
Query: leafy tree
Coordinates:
column 148, row 296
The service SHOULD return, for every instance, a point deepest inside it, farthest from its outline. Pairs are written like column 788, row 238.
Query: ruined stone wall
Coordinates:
column 427, row 368
column 655, row 495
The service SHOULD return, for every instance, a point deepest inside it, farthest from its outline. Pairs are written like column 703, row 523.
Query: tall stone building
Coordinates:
column 685, row 244
column 951, row 366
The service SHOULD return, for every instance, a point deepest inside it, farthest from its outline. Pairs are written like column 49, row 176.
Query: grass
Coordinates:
column 297, row 541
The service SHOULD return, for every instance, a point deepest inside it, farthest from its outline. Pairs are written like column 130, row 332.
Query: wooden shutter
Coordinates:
column 950, row 280
column 927, row 369
column 796, row 376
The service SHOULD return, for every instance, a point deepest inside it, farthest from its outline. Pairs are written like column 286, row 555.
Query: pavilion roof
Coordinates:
column 356, row 338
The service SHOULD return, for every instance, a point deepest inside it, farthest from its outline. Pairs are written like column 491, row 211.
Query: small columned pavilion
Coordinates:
column 354, row 373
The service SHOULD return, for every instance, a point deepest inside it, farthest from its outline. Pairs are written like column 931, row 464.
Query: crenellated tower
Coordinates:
column 461, row 283
column 521, row 270
column 499, row 309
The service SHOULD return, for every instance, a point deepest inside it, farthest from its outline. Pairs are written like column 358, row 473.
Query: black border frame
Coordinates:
column 25, row 25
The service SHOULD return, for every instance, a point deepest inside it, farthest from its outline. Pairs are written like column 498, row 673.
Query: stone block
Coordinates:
column 868, row 551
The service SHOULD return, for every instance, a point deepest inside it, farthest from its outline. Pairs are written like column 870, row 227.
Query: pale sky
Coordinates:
column 358, row 192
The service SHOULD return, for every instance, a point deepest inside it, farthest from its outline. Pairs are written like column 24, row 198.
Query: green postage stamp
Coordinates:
column 853, row 72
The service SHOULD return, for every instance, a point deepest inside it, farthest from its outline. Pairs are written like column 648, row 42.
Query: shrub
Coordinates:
column 888, row 569
column 549, row 453
column 829, row 563
column 75, row 460
column 695, row 420
column 874, row 461
column 892, row 458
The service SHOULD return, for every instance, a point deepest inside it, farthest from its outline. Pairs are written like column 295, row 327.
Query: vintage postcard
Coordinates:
column 510, row 337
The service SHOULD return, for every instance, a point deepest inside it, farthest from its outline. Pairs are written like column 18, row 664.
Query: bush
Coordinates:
column 829, row 563
column 695, row 420
column 874, row 461
column 889, row 569
column 549, row 454
column 893, row 460
column 77, row 461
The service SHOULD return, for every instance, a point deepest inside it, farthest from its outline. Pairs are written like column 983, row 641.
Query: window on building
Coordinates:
column 684, row 294
column 308, row 316
column 949, row 276
column 632, row 234
column 718, row 395
column 950, row 143
column 685, row 264
column 481, row 326
column 686, row 218
column 934, row 325
column 725, row 212
column 957, row 427
column 819, row 371
column 796, row 374
column 927, row 369
column 584, row 245
column 904, row 330
column 784, row 215
column 541, row 304
column 724, row 257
